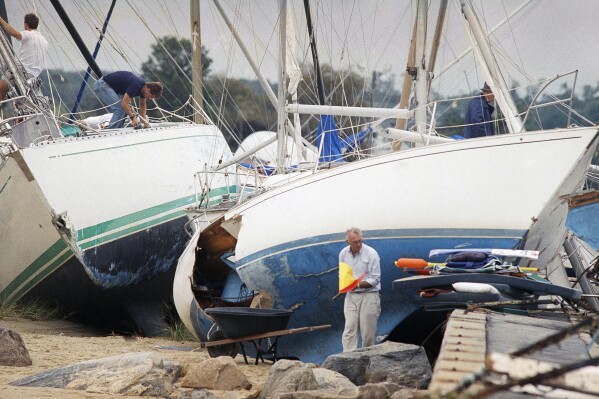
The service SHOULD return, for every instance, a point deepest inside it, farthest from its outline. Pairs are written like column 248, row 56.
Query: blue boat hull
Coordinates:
column 303, row 276
column 583, row 221
column 127, row 279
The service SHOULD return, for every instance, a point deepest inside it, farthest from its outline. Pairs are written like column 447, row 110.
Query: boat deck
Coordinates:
column 471, row 337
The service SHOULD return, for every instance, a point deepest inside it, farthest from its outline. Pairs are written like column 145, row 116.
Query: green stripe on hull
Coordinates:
column 133, row 145
column 45, row 273
column 126, row 220
column 46, row 263
column 121, row 222
column 59, row 252
column 130, row 230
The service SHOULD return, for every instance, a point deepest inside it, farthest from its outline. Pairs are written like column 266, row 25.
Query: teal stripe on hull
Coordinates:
column 45, row 264
column 59, row 253
column 131, row 230
column 119, row 223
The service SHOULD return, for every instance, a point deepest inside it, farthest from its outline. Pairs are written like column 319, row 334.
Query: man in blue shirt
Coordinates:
column 362, row 305
column 109, row 87
column 479, row 119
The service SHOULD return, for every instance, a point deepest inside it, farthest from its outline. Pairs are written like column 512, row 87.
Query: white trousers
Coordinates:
column 361, row 312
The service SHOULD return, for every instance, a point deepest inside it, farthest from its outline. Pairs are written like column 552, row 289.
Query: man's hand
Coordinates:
column 11, row 31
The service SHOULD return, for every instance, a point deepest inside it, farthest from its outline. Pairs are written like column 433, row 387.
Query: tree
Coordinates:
column 238, row 107
column 170, row 64
column 341, row 87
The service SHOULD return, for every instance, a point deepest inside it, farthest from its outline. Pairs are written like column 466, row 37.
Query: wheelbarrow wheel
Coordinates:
column 220, row 350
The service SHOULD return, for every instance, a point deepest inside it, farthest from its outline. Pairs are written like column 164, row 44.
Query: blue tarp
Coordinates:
column 331, row 146
column 264, row 169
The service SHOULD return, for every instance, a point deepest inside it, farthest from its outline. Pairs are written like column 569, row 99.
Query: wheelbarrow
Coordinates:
column 239, row 325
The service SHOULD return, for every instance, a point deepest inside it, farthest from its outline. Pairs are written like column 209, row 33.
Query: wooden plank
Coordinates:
column 463, row 350
column 271, row 334
column 461, row 366
column 461, row 340
column 462, row 356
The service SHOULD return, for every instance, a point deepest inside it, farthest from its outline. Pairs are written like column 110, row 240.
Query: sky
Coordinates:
column 548, row 37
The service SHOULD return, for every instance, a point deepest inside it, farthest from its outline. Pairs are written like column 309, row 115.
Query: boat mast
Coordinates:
column 15, row 69
column 88, row 71
column 282, row 92
column 400, row 124
column 482, row 49
column 432, row 59
column 406, row 90
column 75, row 35
column 421, row 70
column 464, row 53
column 196, row 60
column 312, row 36
column 263, row 82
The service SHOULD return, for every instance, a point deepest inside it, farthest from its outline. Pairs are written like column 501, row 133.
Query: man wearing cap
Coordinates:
column 479, row 120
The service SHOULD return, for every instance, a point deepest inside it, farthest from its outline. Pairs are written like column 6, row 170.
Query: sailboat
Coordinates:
column 280, row 248
column 95, row 222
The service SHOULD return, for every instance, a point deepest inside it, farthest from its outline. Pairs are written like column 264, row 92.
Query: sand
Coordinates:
column 57, row 343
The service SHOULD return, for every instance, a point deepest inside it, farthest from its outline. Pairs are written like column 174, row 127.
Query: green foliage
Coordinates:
column 67, row 84
column 341, row 87
column 176, row 76
column 174, row 328
column 33, row 310
column 177, row 331
column 238, row 106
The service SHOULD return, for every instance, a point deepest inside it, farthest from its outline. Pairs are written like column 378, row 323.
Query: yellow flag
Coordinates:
column 347, row 282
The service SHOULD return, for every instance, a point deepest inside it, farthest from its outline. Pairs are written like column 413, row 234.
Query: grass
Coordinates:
column 32, row 310
column 176, row 331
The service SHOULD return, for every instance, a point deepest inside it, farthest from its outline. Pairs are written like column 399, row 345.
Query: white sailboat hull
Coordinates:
column 107, row 209
column 479, row 193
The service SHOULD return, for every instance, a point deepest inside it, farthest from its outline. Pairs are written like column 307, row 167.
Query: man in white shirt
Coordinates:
column 32, row 52
column 362, row 305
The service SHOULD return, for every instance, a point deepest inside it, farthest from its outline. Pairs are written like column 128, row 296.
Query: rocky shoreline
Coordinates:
column 115, row 366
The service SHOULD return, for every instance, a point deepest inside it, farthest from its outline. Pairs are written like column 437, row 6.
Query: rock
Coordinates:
column 288, row 376
column 381, row 390
column 135, row 374
column 200, row 394
column 328, row 379
column 344, row 393
column 12, row 349
column 219, row 373
column 402, row 364
column 409, row 393
column 206, row 394
column 294, row 379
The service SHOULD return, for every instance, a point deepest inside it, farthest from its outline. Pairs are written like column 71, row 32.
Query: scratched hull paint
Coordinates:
column 107, row 209
column 500, row 192
column 303, row 276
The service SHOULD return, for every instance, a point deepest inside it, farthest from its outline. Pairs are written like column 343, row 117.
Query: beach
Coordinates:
column 57, row 343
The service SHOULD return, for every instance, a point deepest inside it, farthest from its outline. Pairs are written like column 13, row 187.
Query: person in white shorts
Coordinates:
column 32, row 52
column 362, row 305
